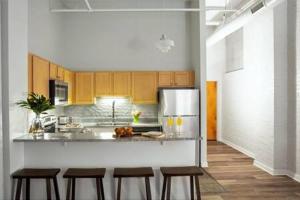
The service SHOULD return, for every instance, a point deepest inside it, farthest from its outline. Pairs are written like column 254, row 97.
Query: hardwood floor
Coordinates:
column 243, row 181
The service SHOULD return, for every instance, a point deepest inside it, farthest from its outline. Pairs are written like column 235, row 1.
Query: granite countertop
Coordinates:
column 99, row 137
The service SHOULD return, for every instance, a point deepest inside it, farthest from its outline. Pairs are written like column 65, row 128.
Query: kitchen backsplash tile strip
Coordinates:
column 102, row 111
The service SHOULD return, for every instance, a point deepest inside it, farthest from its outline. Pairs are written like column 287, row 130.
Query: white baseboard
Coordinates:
column 277, row 172
column 239, row 148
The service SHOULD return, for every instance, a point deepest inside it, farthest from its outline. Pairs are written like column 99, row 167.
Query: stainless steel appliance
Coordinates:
column 180, row 103
column 49, row 123
column 58, row 92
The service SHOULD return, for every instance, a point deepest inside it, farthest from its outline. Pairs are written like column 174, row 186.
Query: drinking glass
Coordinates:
column 170, row 123
column 179, row 123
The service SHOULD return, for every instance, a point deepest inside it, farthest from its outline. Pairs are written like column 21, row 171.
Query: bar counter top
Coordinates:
column 100, row 137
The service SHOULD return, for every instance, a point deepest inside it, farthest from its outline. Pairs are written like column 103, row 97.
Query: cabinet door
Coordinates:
column 53, row 71
column 84, row 87
column 184, row 79
column 144, row 87
column 165, row 79
column 122, row 83
column 69, row 78
column 40, row 76
column 103, row 84
column 60, row 73
column 30, row 72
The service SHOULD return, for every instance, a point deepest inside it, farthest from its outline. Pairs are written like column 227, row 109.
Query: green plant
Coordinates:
column 37, row 103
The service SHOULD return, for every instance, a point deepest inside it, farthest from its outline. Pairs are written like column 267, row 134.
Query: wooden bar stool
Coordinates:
column 30, row 173
column 191, row 171
column 141, row 172
column 97, row 173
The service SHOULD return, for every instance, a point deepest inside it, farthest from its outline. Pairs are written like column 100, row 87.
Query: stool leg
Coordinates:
column 197, row 188
column 102, row 189
column 73, row 188
column 164, row 188
column 68, row 189
column 148, row 189
column 27, row 188
column 192, row 187
column 19, row 187
column 98, row 188
column 119, row 188
column 169, row 188
column 48, row 187
column 56, row 188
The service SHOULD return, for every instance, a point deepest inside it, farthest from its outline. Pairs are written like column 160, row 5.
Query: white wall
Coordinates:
column 14, row 19
column 297, row 139
column 247, row 95
column 1, row 132
column 109, row 41
column 45, row 30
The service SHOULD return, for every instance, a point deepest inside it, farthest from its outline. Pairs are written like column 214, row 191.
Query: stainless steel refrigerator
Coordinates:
column 184, row 103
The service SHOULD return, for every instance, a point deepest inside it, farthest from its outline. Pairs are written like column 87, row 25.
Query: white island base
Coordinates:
column 109, row 155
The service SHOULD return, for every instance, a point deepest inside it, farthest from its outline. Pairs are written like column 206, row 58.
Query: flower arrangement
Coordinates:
column 136, row 116
column 39, row 104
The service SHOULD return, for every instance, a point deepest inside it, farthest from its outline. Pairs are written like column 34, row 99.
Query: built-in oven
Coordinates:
column 58, row 92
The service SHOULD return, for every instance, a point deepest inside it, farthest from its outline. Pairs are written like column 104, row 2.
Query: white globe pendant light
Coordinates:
column 165, row 44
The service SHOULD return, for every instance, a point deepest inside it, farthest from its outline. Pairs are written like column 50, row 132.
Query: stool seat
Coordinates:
column 36, row 173
column 133, row 172
column 192, row 171
column 181, row 171
column 85, row 173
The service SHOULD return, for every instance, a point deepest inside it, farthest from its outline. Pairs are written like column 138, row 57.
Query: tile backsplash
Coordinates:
column 103, row 110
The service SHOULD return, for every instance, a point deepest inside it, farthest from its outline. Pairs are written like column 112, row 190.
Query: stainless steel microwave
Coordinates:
column 58, row 92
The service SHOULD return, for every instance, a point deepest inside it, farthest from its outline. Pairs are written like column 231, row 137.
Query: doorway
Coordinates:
column 211, row 90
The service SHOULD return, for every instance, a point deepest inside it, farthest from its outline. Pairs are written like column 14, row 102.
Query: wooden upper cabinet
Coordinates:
column 53, row 71
column 30, row 72
column 165, row 79
column 122, row 83
column 103, row 84
column 70, row 79
column 144, row 87
column 84, row 87
column 60, row 73
column 184, row 79
column 40, row 76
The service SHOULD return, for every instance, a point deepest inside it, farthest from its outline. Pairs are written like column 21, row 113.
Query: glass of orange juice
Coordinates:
column 179, row 123
column 170, row 123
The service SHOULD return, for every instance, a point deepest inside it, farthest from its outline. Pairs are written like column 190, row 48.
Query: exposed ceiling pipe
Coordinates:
column 237, row 21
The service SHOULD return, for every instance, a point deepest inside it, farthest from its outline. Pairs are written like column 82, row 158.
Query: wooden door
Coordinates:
column 30, row 73
column 211, row 110
column 60, row 73
column 40, row 76
column 144, row 87
column 103, row 84
column 184, row 79
column 165, row 79
column 53, row 71
column 69, row 78
column 84, row 87
column 122, row 83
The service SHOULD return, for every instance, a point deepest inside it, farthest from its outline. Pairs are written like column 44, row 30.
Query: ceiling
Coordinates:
column 217, row 17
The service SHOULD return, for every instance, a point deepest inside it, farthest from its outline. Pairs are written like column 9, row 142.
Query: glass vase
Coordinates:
column 136, row 119
column 36, row 127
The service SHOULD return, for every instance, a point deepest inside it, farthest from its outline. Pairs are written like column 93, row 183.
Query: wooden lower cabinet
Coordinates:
column 40, row 76
column 122, row 84
column 103, row 84
column 84, row 87
column 144, row 87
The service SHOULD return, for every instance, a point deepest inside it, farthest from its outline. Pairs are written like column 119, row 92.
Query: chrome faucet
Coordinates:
column 113, row 112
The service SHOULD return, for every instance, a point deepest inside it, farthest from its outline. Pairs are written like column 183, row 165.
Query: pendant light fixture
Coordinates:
column 164, row 44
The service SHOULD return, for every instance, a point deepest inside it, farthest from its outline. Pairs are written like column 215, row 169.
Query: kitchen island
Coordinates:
column 102, row 149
